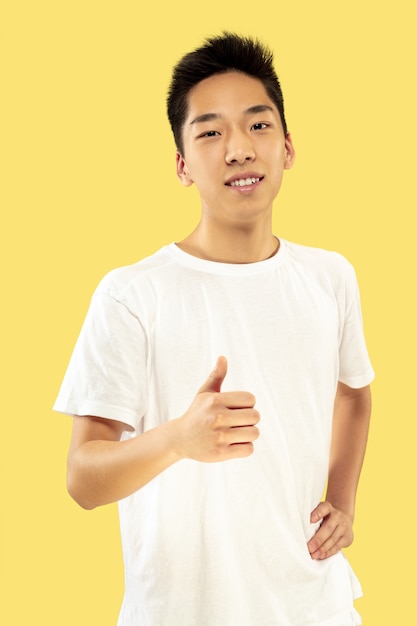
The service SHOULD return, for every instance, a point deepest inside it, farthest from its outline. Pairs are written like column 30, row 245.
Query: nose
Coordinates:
column 239, row 149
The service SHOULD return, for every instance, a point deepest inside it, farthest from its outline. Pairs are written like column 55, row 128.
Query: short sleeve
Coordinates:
column 355, row 369
column 106, row 376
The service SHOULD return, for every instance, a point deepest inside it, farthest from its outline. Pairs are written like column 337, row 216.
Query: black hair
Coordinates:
column 218, row 55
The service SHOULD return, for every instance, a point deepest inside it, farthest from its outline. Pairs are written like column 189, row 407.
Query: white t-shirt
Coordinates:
column 225, row 544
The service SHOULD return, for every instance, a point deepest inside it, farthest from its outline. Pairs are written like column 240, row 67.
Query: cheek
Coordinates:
column 206, row 170
column 279, row 158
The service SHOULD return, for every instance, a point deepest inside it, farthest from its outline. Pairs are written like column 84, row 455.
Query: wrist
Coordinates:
column 174, row 439
column 347, row 508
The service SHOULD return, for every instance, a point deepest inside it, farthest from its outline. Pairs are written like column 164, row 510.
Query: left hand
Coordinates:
column 335, row 531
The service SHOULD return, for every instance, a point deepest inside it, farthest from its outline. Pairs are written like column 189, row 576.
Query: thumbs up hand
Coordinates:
column 216, row 377
column 218, row 425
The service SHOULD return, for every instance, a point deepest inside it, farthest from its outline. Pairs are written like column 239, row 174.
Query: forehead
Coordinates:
column 231, row 92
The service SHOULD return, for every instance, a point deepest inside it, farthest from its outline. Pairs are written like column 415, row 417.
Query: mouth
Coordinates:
column 245, row 181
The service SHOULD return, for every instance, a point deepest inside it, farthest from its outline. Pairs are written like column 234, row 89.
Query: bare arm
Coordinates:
column 217, row 426
column 352, row 413
column 352, row 410
column 103, row 469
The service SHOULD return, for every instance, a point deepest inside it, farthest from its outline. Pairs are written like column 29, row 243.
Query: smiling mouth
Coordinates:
column 244, row 182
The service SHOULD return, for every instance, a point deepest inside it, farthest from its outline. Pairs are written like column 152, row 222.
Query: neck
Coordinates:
column 234, row 246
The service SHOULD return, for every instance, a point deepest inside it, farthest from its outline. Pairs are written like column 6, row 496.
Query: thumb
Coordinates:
column 216, row 377
column 321, row 511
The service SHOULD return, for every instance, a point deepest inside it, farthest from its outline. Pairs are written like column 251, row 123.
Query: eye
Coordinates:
column 260, row 126
column 210, row 133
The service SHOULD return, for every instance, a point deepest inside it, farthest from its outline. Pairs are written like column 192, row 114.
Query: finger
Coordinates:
column 230, row 419
column 320, row 512
column 243, row 434
column 323, row 535
column 333, row 544
column 237, row 399
column 334, row 533
column 239, row 450
column 216, row 377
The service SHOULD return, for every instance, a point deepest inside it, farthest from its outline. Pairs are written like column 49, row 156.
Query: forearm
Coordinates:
column 102, row 471
column 216, row 427
column 350, row 432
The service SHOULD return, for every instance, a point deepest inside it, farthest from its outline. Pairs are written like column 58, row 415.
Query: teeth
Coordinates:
column 244, row 181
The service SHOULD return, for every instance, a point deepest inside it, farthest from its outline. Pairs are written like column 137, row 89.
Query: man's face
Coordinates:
column 235, row 150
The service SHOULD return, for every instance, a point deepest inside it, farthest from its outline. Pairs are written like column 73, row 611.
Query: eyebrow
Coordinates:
column 208, row 117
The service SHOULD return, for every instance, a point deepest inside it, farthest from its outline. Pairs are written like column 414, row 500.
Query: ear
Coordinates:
column 289, row 153
column 182, row 171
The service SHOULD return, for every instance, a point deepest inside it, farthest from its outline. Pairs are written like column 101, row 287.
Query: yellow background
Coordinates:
column 88, row 184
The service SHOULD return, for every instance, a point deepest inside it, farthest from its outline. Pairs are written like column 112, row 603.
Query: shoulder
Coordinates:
column 316, row 256
column 121, row 281
column 317, row 268
column 320, row 260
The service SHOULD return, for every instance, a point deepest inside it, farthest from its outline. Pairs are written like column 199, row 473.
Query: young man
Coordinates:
column 219, row 475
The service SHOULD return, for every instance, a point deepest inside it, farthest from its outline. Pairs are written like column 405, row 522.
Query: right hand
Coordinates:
column 218, row 425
